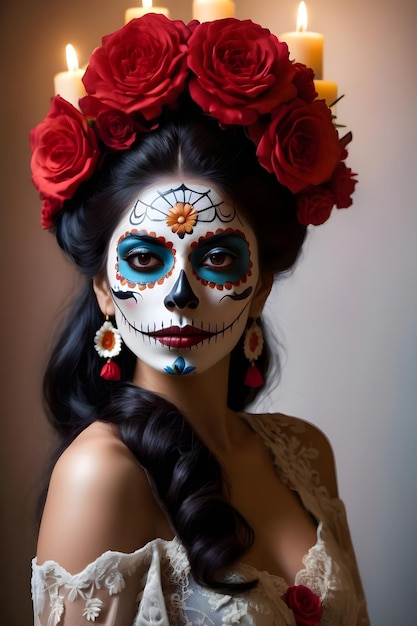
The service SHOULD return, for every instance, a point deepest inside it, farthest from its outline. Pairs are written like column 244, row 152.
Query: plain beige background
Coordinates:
column 347, row 317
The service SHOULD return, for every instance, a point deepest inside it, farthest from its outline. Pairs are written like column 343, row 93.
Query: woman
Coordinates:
column 180, row 193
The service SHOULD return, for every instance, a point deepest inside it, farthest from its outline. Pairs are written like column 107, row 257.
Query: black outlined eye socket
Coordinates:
column 221, row 258
column 143, row 259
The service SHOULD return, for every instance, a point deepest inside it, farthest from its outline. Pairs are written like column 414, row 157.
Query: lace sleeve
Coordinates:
column 338, row 524
column 108, row 591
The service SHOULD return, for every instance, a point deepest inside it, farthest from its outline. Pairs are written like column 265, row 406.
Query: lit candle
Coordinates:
column 207, row 10
column 146, row 7
column 327, row 90
column 69, row 84
column 305, row 46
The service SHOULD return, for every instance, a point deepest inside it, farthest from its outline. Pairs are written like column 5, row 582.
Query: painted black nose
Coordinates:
column 181, row 295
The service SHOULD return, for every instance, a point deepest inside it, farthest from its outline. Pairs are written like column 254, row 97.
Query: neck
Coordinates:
column 202, row 398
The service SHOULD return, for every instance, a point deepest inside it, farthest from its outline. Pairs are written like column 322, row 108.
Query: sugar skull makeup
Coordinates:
column 182, row 266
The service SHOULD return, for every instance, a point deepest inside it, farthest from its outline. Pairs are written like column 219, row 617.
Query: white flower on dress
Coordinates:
column 217, row 600
column 57, row 610
column 107, row 341
column 75, row 590
column 115, row 583
column 92, row 609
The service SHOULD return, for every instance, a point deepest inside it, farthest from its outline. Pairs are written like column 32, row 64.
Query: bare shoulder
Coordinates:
column 313, row 437
column 98, row 499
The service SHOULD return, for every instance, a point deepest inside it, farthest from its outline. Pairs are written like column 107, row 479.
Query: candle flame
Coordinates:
column 302, row 17
column 72, row 60
column 147, row 4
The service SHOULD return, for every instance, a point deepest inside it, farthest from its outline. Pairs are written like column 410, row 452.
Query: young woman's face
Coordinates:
column 183, row 268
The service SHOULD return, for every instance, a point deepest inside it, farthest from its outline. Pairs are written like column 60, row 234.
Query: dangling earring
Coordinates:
column 108, row 343
column 252, row 347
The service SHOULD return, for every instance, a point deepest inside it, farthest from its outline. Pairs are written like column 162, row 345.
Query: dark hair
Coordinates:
column 187, row 477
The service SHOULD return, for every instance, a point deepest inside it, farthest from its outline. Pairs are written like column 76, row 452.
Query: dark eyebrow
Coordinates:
column 221, row 237
column 144, row 237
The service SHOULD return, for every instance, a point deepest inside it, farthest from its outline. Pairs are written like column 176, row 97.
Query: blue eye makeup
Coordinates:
column 221, row 259
column 144, row 259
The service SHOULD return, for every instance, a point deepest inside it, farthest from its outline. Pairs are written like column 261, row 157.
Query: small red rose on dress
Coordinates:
column 241, row 70
column 139, row 68
column 64, row 154
column 305, row 605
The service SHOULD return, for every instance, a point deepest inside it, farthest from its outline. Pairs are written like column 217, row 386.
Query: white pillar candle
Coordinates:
column 68, row 84
column 208, row 10
column 305, row 46
column 327, row 90
column 146, row 7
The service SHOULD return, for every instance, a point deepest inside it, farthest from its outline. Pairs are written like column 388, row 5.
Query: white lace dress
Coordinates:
column 153, row 585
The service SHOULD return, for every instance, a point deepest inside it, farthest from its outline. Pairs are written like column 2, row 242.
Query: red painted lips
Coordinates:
column 176, row 337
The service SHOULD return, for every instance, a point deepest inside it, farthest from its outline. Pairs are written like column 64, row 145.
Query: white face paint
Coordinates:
column 183, row 268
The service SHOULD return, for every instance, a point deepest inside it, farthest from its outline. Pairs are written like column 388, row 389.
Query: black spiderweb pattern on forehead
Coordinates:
column 207, row 203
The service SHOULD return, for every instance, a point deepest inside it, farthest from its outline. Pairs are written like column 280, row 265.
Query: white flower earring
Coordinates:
column 108, row 343
column 252, row 348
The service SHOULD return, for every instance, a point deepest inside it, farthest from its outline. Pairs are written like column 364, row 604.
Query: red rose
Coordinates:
column 116, row 129
column 342, row 185
column 305, row 605
column 64, row 153
column 304, row 81
column 49, row 208
column 314, row 207
column 140, row 67
column 301, row 145
column 241, row 70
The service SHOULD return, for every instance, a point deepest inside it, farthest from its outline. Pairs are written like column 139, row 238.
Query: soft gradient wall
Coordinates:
column 346, row 318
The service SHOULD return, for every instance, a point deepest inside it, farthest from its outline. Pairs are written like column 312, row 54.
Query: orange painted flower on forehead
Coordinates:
column 182, row 218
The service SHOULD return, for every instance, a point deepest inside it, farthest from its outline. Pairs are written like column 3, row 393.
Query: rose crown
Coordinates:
column 235, row 70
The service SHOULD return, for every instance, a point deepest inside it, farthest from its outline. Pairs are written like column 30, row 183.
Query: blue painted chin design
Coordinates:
column 221, row 259
column 144, row 259
column 179, row 368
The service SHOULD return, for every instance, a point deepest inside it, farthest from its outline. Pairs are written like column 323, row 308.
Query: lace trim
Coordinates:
column 264, row 601
column 242, row 609
column 167, row 592
column 108, row 573
column 293, row 461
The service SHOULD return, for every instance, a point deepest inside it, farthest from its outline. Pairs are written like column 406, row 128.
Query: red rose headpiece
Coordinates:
column 234, row 70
